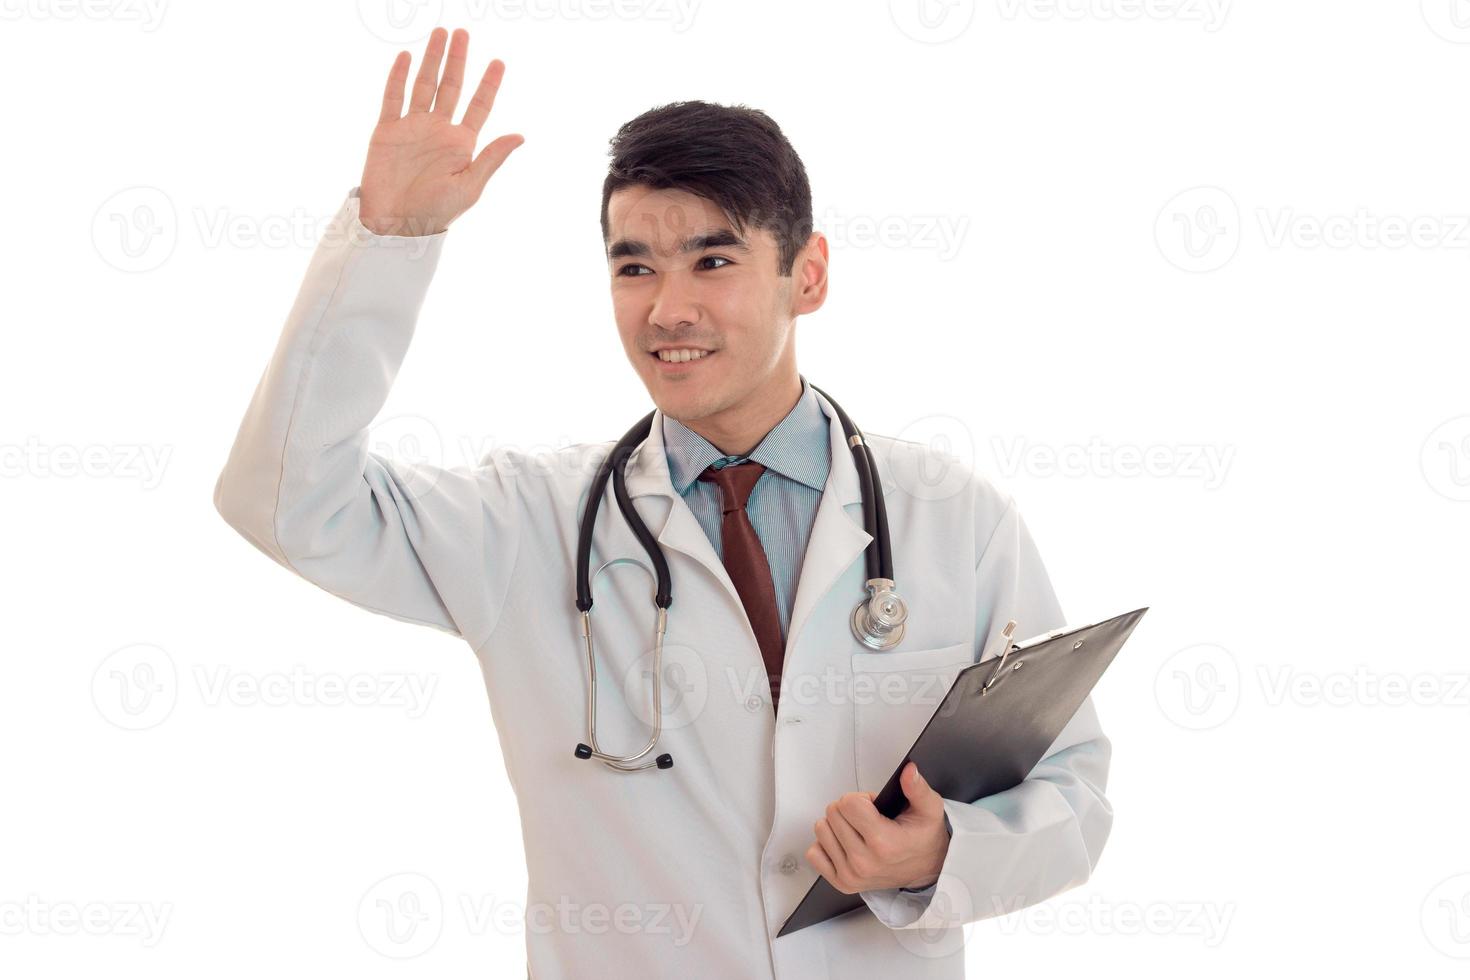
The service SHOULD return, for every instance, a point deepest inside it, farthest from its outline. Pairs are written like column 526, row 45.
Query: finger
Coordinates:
column 453, row 80
column 835, row 852
column 491, row 157
column 393, row 93
column 852, row 842
column 479, row 108
column 818, row 859
column 859, row 810
column 923, row 800
column 428, row 76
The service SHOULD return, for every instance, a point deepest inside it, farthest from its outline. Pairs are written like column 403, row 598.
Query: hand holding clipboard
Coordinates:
column 992, row 728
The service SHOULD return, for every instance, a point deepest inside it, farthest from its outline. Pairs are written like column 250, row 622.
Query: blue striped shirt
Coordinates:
column 797, row 455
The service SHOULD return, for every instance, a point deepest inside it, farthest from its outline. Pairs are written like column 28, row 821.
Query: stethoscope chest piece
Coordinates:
column 877, row 621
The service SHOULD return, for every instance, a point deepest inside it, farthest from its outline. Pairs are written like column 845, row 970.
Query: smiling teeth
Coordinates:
column 681, row 355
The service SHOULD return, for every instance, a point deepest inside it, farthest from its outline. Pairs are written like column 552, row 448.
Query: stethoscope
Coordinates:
column 877, row 621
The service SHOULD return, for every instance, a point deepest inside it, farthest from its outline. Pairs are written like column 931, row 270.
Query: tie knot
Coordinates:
column 735, row 483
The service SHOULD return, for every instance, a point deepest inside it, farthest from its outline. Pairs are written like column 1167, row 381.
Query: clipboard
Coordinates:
column 992, row 728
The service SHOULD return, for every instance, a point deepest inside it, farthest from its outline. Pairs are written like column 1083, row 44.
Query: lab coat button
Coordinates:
column 788, row 865
column 753, row 703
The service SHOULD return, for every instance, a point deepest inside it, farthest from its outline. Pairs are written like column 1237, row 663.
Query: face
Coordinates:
column 683, row 279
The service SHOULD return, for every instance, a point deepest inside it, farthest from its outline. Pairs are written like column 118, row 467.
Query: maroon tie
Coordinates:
column 745, row 560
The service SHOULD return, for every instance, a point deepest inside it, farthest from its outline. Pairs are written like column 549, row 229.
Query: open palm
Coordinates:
column 422, row 171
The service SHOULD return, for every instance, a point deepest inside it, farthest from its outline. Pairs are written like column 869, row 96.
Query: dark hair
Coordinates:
column 735, row 156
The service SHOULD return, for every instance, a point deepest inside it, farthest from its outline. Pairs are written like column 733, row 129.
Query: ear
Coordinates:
column 809, row 276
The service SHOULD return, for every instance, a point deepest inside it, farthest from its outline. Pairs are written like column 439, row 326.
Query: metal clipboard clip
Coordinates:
column 1006, row 635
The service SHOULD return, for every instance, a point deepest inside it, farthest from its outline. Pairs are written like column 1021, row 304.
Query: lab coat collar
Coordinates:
column 788, row 449
column 837, row 536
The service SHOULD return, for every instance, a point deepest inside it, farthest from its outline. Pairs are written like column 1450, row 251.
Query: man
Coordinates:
column 748, row 484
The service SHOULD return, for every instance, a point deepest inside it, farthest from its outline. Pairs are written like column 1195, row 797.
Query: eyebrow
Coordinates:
column 722, row 238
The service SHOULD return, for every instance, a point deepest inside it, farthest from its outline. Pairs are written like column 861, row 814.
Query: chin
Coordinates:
column 682, row 401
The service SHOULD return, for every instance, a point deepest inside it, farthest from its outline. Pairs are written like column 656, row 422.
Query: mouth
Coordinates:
column 680, row 360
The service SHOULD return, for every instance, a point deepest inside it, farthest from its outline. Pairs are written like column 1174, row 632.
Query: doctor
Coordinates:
column 781, row 723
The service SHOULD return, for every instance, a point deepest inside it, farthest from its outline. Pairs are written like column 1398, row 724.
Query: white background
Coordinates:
column 1231, row 239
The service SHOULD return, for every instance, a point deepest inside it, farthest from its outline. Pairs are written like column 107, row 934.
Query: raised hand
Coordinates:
column 422, row 171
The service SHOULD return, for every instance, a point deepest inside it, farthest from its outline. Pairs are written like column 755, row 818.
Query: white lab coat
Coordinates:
column 487, row 552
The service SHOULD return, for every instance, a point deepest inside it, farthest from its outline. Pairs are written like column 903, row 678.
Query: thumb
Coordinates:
column 491, row 157
column 923, row 800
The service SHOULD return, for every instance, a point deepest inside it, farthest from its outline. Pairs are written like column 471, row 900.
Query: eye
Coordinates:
column 624, row 270
column 717, row 258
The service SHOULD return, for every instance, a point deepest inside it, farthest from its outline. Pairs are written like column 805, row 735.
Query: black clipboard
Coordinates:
column 992, row 728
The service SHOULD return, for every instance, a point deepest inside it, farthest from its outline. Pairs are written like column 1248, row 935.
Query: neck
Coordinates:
column 737, row 430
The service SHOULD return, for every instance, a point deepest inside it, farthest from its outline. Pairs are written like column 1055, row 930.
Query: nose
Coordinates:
column 674, row 305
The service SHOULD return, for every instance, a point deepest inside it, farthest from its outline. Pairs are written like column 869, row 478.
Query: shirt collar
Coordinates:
column 799, row 447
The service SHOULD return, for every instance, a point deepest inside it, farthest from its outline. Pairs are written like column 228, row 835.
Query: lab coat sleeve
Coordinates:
column 1035, row 840
column 407, row 539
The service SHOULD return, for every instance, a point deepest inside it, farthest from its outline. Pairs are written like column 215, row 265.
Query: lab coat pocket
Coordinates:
column 894, row 695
